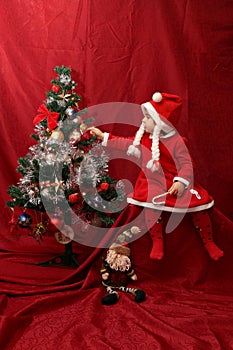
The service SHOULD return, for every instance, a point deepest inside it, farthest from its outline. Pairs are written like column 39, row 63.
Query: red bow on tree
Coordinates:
column 52, row 117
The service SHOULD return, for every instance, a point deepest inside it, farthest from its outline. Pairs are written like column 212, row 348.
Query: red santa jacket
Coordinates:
column 175, row 165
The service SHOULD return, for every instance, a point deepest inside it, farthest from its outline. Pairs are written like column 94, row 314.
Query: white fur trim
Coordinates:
column 170, row 209
column 105, row 140
column 169, row 134
column 164, row 136
column 157, row 97
column 148, row 108
column 183, row 181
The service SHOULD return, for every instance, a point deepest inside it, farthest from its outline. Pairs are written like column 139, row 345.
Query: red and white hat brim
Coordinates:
column 148, row 108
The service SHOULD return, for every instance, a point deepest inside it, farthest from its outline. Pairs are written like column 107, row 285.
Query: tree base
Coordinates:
column 66, row 259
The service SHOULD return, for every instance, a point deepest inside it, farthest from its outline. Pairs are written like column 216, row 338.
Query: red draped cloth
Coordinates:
column 120, row 51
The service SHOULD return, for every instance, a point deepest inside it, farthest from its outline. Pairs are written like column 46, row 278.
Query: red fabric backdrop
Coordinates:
column 120, row 51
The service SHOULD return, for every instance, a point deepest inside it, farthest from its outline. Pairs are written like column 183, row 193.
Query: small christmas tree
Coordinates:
column 67, row 167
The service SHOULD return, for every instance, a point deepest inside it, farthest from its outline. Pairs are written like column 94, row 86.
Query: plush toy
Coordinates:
column 116, row 271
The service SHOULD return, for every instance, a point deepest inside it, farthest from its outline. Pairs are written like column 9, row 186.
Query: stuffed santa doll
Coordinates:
column 116, row 272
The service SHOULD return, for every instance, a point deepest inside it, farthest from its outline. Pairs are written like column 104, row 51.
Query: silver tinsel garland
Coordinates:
column 94, row 164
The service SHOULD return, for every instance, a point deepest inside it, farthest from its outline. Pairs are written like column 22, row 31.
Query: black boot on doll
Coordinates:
column 111, row 298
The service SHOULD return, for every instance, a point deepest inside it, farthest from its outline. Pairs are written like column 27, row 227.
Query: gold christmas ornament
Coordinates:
column 83, row 127
column 66, row 236
column 39, row 230
column 57, row 135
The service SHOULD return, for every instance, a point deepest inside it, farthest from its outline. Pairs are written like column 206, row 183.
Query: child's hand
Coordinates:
column 177, row 189
column 97, row 132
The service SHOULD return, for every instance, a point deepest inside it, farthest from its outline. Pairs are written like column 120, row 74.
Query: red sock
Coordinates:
column 203, row 225
column 154, row 225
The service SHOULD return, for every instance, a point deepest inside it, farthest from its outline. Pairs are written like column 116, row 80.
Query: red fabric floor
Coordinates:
column 189, row 302
column 120, row 51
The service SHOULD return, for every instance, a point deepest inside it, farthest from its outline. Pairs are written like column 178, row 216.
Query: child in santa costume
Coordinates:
column 165, row 182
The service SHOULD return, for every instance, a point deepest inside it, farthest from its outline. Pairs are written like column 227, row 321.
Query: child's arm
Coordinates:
column 183, row 177
column 184, row 166
column 118, row 142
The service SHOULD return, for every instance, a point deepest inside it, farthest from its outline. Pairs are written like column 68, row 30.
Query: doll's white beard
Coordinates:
column 121, row 263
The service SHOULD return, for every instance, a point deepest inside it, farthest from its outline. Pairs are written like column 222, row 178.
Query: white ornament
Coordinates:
column 135, row 230
column 76, row 120
column 65, row 79
column 75, row 136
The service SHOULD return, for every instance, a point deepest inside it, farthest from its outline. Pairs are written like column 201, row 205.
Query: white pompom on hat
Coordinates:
column 157, row 97
column 165, row 110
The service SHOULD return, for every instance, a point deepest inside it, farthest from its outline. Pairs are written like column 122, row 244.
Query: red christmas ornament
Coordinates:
column 85, row 149
column 104, row 186
column 55, row 88
column 55, row 224
column 86, row 136
column 73, row 198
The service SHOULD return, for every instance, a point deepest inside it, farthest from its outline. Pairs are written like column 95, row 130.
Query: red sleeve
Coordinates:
column 119, row 142
column 183, row 161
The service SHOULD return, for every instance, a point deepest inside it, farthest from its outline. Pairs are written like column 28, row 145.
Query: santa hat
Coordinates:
column 165, row 109
column 120, row 248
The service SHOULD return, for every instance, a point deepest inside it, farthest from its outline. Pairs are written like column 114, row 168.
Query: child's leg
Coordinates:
column 154, row 225
column 203, row 225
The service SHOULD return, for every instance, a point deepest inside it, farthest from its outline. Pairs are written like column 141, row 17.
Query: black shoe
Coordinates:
column 110, row 299
column 140, row 295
